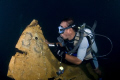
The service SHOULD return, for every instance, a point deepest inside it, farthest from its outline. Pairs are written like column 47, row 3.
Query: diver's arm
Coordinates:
column 59, row 44
column 80, row 54
column 53, row 44
column 73, row 59
column 46, row 41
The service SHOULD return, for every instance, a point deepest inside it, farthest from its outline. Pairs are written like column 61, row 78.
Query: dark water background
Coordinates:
column 15, row 15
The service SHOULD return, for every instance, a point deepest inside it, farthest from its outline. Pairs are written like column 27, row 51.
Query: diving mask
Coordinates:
column 61, row 29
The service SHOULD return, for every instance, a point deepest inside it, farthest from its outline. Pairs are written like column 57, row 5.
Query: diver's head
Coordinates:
column 67, row 22
column 65, row 28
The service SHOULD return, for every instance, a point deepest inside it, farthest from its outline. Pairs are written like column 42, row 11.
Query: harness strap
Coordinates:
column 80, row 39
column 89, row 49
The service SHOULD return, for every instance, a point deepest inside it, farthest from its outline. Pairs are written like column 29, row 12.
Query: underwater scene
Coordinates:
column 59, row 39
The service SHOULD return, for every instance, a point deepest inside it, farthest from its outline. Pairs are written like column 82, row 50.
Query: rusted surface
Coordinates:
column 35, row 61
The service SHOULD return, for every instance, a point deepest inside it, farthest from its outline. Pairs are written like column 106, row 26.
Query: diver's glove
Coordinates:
column 61, row 51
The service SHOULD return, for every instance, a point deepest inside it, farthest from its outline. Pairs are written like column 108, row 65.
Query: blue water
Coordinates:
column 15, row 15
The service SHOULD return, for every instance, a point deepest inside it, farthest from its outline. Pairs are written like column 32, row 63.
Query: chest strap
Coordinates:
column 80, row 39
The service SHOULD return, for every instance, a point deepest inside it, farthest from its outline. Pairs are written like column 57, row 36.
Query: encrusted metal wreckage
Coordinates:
column 35, row 61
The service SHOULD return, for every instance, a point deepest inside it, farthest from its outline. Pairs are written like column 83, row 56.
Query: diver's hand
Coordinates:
column 53, row 44
column 46, row 41
column 61, row 51
column 50, row 44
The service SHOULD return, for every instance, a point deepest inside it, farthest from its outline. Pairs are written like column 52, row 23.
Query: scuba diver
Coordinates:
column 76, row 45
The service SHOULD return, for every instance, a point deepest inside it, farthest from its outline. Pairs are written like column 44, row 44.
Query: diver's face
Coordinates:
column 66, row 34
